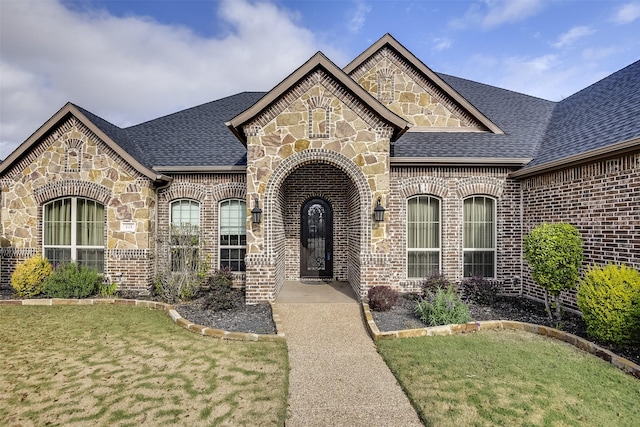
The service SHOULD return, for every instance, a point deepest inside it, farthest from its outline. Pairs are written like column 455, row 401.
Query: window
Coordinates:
column 423, row 236
column 185, row 234
column 74, row 231
column 233, row 234
column 479, row 237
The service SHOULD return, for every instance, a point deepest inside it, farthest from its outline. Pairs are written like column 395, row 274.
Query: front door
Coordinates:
column 316, row 239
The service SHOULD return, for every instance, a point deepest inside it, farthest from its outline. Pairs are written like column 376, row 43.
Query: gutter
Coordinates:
column 629, row 145
column 460, row 161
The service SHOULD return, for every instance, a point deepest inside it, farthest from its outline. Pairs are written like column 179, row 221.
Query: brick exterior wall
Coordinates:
column 451, row 185
column 601, row 199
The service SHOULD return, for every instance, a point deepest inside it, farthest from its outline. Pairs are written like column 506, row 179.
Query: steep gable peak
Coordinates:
column 409, row 88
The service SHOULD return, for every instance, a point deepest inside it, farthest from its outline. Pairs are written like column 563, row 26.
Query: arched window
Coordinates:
column 423, row 236
column 74, row 231
column 185, row 234
column 233, row 234
column 479, row 236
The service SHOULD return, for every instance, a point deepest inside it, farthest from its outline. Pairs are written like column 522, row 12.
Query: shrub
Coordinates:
column 29, row 276
column 72, row 281
column 480, row 290
column 609, row 299
column 443, row 307
column 554, row 253
column 382, row 298
column 433, row 282
column 107, row 290
column 221, row 294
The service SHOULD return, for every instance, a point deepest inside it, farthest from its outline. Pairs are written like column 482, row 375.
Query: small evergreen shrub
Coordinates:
column 443, row 307
column 221, row 294
column 72, row 281
column 29, row 276
column 382, row 298
column 433, row 282
column 609, row 299
column 480, row 290
column 106, row 290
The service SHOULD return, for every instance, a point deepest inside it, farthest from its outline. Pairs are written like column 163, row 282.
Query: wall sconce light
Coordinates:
column 256, row 214
column 378, row 212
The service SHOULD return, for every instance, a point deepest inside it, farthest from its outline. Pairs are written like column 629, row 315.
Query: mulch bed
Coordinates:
column 519, row 309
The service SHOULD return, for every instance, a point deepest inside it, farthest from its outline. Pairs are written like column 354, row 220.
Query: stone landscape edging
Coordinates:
column 619, row 362
column 173, row 314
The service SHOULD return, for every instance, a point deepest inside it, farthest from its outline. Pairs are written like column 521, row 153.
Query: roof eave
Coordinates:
column 388, row 39
column 460, row 161
column 623, row 147
column 200, row 169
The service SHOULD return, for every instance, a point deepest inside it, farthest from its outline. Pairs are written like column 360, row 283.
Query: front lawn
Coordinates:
column 510, row 378
column 121, row 365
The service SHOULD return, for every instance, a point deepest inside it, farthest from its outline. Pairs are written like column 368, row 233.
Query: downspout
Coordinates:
column 155, row 246
column 521, row 240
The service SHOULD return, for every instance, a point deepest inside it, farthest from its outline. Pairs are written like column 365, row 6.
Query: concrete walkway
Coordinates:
column 337, row 378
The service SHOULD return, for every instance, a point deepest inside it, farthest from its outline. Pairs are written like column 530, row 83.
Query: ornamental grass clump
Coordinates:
column 443, row 307
column 29, row 276
column 609, row 299
column 382, row 298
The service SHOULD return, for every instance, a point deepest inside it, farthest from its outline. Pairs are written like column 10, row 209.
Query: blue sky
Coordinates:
column 131, row 61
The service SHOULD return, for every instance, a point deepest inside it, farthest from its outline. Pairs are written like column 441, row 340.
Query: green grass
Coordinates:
column 120, row 365
column 505, row 378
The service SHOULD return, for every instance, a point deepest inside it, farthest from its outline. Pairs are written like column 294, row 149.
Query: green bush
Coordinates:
column 443, row 307
column 554, row 254
column 72, row 281
column 106, row 290
column 221, row 294
column 480, row 290
column 29, row 276
column 609, row 299
column 382, row 298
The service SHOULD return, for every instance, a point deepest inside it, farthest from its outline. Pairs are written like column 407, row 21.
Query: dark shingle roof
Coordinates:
column 523, row 119
column 605, row 113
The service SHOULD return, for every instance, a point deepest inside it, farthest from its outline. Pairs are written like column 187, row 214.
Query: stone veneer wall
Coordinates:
column 72, row 161
column 451, row 185
column 208, row 190
column 602, row 199
column 317, row 121
column 406, row 92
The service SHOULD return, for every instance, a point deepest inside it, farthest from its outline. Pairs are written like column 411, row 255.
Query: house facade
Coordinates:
column 380, row 173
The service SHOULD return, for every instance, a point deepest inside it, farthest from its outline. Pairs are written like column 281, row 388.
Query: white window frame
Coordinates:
column 495, row 234
column 74, row 225
column 438, row 249
column 221, row 247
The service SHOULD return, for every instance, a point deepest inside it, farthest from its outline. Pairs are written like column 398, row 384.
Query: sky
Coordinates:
column 132, row 61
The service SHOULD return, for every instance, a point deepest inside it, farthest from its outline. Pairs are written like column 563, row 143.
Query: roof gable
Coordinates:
column 104, row 130
column 317, row 68
column 423, row 98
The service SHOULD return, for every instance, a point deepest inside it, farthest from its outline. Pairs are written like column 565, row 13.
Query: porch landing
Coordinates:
column 337, row 377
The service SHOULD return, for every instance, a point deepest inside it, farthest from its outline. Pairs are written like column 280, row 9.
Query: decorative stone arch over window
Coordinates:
column 479, row 186
column 230, row 190
column 317, row 156
column 386, row 85
column 184, row 190
column 73, row 154
column 319, row 116
column 424, row 185
column 71, row 187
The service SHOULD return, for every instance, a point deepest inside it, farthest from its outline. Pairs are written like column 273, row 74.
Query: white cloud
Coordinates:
column 626, row 13
column 571, row 36
column 359, row 17
column 497, row 12
column 598, row 54
column 132, row 69
column 441, row 43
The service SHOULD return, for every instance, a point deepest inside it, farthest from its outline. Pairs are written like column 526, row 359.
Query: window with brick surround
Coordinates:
column 185, row 233
column 233, row 234
column 423, row 236
column 74, row 231
column 479, row 236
